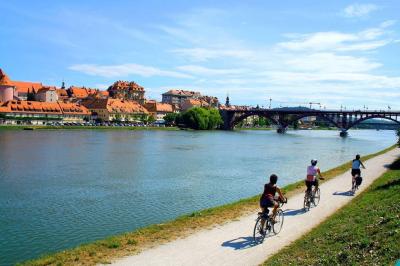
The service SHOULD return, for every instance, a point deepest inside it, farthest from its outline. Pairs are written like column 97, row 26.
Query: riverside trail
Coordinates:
column 232, row 243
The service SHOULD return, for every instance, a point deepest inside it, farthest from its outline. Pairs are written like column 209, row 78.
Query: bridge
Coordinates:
column 283, row 117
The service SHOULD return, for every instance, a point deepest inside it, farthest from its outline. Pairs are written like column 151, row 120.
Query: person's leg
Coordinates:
column 276, row 205
column 315, row 185
column 309, row 186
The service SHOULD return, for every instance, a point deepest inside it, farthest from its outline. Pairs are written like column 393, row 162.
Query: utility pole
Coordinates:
column 270, row 100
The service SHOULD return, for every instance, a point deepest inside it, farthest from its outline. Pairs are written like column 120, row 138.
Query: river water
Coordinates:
column 59, row 189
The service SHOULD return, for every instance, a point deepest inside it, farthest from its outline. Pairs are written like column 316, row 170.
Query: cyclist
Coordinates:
column 267, row 198
column 312, row 172
column 355, row 167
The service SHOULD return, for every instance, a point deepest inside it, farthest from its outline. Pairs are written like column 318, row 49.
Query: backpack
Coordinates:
column 358, row 180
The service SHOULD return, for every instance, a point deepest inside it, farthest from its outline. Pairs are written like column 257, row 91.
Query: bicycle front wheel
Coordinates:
column 317, row 197
column 259, row 231
column 277, row 226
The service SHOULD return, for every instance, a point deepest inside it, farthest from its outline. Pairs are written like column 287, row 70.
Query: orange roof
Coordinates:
column 78, row 92
column 73, row 108
column 115, row 105
column 25, row 86
column 31, row 107
column 43, row 108
column 104, row 93
column 62, row 92
column 4, row 79
column 164, row 107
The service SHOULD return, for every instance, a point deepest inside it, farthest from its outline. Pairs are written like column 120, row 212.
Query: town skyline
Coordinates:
column 334, row 53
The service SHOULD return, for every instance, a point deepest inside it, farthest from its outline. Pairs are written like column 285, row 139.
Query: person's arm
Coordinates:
column 280, row 194
column 362, row 164
column 320, row 176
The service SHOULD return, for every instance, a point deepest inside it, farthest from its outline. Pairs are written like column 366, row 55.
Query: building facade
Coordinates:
column 158, row 110
column 127, row 91
column 114, row 110
column 47, row 94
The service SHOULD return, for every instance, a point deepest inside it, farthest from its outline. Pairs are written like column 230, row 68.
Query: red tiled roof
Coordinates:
column 25, row 86
column 43, row 108
column 115, row 105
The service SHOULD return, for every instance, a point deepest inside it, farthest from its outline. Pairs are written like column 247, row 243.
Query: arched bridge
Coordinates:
column 283, row 117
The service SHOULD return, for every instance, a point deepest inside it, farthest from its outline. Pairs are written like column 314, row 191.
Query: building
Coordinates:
column 47, row 94
column 127, row 91
column 158, row 110
column 62, row 94
column 40, row 113
column 181, row 99
column 7, row 90
column 177, row 97
column 109, row 109
column 190, row 103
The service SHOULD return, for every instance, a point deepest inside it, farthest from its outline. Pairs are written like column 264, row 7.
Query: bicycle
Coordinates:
column 356, row 183
column 311, row 198
column 260, row 232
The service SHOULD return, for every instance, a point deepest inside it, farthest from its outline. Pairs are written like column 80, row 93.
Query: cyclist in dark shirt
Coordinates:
column 267, row 198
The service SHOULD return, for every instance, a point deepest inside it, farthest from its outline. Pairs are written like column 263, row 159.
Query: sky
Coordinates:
column 335, row 53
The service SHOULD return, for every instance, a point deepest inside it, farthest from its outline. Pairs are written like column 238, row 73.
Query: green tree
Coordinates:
column 398, row 135
column 170, row 118
column 150, row 119
column 201, row 118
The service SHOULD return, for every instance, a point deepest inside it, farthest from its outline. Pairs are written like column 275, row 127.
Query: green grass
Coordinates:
column 20, row 127
column 364, row 232
column 103, row 251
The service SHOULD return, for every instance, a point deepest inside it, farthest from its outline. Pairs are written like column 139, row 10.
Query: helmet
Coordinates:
column 358, row 157
column 314, row 162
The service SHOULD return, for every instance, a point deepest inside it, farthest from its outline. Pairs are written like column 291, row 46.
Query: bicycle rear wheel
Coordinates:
column 260, row 231
column 277, row 226
column 306, row 204
column 317, row 197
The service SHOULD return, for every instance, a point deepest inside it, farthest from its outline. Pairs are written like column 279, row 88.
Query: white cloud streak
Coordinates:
column 359, row 10
column 112, row 71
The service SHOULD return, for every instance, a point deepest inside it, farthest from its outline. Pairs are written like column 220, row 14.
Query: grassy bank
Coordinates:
column 103, row 251
column 18, row 127
column 364, row 232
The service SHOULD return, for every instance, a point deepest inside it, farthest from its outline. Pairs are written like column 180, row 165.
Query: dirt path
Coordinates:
column 231, row 244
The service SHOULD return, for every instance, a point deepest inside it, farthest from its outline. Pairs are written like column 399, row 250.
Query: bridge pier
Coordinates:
column 343, row 133
column 281, row 129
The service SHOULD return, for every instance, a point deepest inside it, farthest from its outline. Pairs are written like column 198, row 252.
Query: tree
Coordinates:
column 170, row 118
column 398, row 135
column 201, row 118
column 150, row 119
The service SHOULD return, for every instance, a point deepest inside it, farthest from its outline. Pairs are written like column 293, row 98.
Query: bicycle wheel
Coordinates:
column 306, row 204
column 258, row 228
column 277, row 226
column 317, row 197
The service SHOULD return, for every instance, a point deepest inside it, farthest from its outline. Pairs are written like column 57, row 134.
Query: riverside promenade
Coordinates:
column 232, row 243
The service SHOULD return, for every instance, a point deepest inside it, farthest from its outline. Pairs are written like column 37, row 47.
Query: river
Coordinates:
column 62, row 188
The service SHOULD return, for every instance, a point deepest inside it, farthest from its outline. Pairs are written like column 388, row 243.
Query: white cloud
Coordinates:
column 205, row 54
column 359, row 10
column 111, row 71
column 200, row 70
column 369, row 39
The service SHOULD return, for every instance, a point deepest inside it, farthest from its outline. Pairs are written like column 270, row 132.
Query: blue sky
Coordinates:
column 333, row 52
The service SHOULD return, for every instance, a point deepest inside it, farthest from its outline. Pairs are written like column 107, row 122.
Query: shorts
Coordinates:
column 266, row 203
column 309, row 184
column 355, row 172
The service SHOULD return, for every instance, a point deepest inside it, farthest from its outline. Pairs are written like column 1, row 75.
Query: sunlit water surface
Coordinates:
column 59, row 189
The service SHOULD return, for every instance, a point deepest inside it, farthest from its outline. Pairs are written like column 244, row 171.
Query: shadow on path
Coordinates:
column 294, row 212
column 348, row 193
column 240, row 243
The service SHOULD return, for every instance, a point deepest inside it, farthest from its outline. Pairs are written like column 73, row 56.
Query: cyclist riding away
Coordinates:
column 355, row 167
column 267, row 198
column 312, row 172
